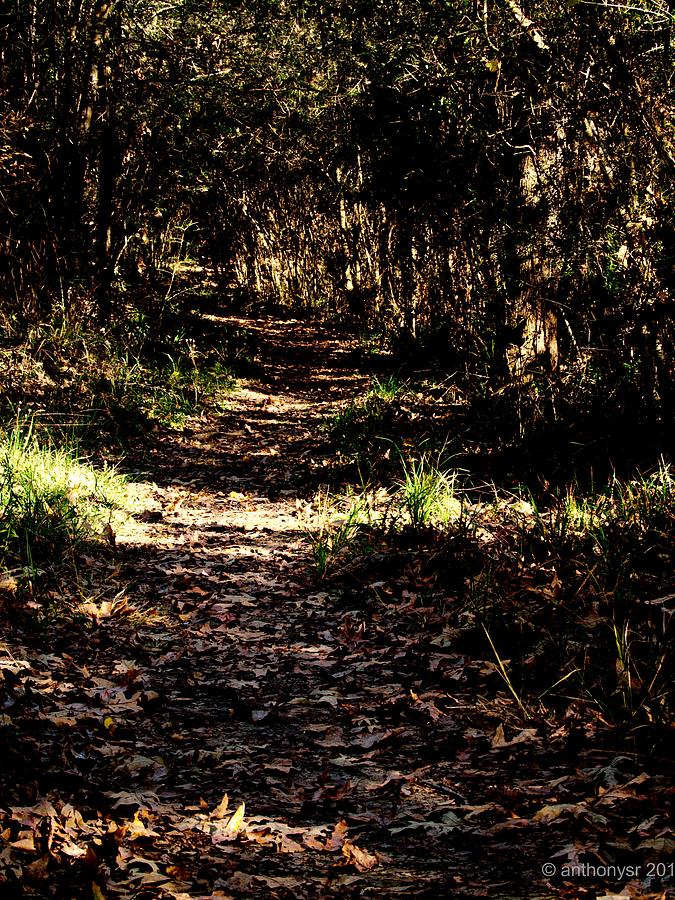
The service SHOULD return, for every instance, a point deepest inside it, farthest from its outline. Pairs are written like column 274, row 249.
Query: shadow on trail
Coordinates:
column 373, row 758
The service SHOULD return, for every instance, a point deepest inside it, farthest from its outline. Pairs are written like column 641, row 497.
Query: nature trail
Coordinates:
column 232, row 726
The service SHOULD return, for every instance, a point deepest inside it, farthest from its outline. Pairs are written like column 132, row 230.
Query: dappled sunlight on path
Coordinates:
column 227, row 725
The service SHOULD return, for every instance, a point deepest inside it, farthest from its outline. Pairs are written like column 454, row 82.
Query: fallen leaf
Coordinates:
column 236, row 822
column 221, row 810
column 8, row 584
column 24, row 844
column 550, row 813
column 230, row 831
column 72, row 850
column 138, row 829
column 337, row 839
column 38, row 870
column 376, row 737
column 362, row 859
column 527, row 735
column 60, row 719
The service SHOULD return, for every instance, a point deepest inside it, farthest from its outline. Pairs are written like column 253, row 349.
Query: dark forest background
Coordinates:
column 489, row 182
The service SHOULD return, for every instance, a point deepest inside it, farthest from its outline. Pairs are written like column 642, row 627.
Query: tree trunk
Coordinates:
column 537, row 269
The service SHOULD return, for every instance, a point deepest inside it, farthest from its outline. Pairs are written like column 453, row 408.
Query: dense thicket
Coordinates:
column 491, row 178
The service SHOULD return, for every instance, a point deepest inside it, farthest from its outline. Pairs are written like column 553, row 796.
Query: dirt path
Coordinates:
column 359, row 741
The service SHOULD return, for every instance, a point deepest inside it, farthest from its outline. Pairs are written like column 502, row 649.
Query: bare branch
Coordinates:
column 527, row 24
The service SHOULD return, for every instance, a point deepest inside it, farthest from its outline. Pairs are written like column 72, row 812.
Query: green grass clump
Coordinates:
column 50, row 501
column 424, row 497
column 341, row 525
column 387, row 388
column 428, row 494
column 181, row 386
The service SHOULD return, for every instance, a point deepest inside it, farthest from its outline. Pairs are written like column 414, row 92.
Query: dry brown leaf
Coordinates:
column 376, row 737
column 288, row 845
column 334, row 737
column 25, row 844
column 73, row 850
column 527, row 735
column 138, row 829
column 549, row 813
column 221, row 810
column 28, row 815
column 337, row 839
column 393, row 778
column 60, row 719
column 362, row 859
column 38, row 870
column 230, row 831
column 237, row 819
column 8, row 584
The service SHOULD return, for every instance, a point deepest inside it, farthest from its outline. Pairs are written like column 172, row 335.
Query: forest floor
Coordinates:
column 225, row 723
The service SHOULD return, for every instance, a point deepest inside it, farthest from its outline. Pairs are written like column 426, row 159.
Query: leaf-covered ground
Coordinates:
column 222, row 723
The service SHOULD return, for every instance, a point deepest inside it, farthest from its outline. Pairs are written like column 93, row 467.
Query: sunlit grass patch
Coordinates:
column 386, row 388
column 50, row 500
column 427, row 494
column 340, row 525
column 646, row 502
column 614, row 528
column 423, row 497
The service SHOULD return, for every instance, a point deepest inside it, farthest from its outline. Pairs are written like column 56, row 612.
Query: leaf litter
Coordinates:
column 223, row 726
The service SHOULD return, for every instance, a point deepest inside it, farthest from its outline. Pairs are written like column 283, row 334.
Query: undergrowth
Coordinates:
column 114, row 385
column 370, row 431
column 134, row 393
column 51, row 502
column 573, row 599
column 423, row 497
column 361, row 431
column 427, row 494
